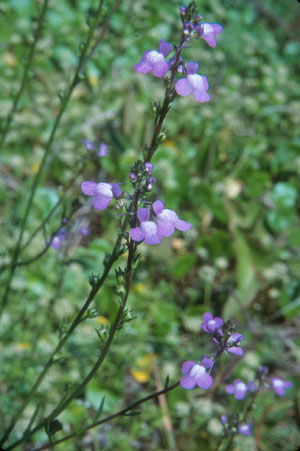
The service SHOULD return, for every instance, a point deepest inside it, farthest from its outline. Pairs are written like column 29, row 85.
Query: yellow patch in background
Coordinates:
column 143, row 368
column 35, row 167
column 102, row 320
column 10, row 59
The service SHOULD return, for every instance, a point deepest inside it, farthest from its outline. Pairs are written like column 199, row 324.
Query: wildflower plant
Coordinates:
column 142, row 219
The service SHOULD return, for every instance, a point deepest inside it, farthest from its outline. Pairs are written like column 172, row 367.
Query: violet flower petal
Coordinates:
column 186, row 366
column 89, row 188
column 151, row 232
column 235, row 350
column 158, row 206
column 244, row 429
column 142, row 67
column 143, row 214
column 56, row 243
column 183, row 88
column 101, row 202
column 192, row 68
column 229, row 389
column 183, row 226
column 165, row 47
column 137, row 234
column 205, row 381
column 116, row 190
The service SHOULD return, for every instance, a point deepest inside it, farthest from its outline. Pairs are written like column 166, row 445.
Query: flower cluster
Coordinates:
column 156, row 61
column 195, row 373
column 156, row 223
column 102, row 147
column 57, row 240
column 164, row 224
column 239, row 388
column 223, row 334
column 231, row 426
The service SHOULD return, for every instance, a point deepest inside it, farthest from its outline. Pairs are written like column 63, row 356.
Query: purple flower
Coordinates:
column 149, row 167
column 155, row 61
column 102, row 152
column 149, row 183
column 210, row 323
column 132, row 177
column 208, row 32
column 195, row 374
column 244, row 429
column 233, row 344
column 84, row 231
column 279, row 385
column 193, row 84
column 224, row 419
column 167, row 220
column 88, row 144
column 238, row 388
column 56, row 242
column 147, row 231
column 102, row 192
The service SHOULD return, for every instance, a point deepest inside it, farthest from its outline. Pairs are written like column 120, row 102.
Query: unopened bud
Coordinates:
column 162, row 137
column 149, row 183
column 188, row 26
column 148, row 168
column 120, row 204
column 132, row 177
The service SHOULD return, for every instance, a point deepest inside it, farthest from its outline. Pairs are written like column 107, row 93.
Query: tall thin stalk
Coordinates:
column 26, row 72
column 65, row 100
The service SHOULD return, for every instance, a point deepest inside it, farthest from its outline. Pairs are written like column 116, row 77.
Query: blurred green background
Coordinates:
column 231, row 167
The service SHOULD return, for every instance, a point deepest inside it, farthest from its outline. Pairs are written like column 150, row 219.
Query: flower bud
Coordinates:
column 162, row 137
column 133, row 177
column 148, row 168
column 120, row 204
column 149, row 183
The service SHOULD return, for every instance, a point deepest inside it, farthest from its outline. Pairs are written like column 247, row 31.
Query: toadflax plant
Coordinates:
column 143, row 218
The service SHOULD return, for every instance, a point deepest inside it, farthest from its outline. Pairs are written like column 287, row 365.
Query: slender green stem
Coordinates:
column 166, row 104
column 229, row 436
column 110, row 417
column 55, row 207
column 42, row 225
column 118, row 320
column 64, row 103
column 114, row 328
column 62, row 342
column 26, row 72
